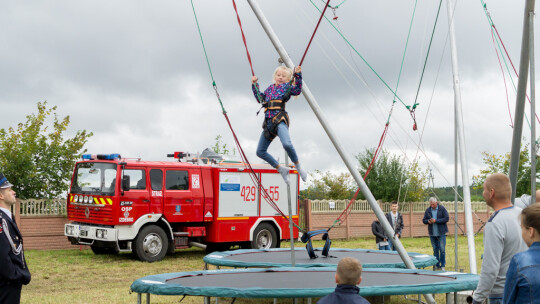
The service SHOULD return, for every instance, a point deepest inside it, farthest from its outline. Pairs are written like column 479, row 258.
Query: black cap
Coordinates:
column 4, row 182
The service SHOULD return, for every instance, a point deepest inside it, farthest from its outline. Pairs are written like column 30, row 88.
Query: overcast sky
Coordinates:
column 134, row 74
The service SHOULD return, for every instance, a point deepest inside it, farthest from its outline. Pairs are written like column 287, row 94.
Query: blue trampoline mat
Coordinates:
column 294, row 282
column 281, row 257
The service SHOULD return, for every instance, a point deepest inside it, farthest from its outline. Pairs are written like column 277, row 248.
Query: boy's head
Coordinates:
column 349, row 271
column 282, row 74
column 394, row 206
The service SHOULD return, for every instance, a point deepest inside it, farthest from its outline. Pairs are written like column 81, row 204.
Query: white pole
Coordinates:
column 344, row 155
column 520, row 99
column 533, row 108
column 293, row 259
column 469, row 228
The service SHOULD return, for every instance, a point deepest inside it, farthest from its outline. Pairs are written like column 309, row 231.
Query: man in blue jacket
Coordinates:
column 436, row 218
column 14, row 272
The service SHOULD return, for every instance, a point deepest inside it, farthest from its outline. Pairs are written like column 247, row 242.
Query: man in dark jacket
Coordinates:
column 436, row 218
column 380, row 236
column 13, row 269
column 396, row 221
column 348, row 276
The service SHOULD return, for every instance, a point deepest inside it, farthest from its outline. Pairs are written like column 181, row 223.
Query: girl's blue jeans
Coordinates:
column 284, row 137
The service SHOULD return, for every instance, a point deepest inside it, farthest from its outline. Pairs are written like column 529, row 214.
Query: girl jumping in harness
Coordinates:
column 276, row 120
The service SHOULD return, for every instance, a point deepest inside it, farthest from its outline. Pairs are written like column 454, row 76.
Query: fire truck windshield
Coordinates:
column 94, row 178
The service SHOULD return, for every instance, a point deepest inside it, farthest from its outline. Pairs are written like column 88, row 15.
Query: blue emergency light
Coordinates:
column 101, row 156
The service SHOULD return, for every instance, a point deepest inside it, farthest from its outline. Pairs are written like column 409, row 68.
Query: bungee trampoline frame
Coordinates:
column 313, row 282
column 268, row 257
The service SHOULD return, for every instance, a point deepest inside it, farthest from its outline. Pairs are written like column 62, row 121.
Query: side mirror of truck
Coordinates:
column 125, row 183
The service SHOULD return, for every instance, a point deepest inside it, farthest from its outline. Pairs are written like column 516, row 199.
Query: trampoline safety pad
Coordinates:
column 297, row 282
column 281, row 257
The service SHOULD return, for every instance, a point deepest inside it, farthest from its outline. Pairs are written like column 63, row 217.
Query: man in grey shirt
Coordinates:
column 502, row 239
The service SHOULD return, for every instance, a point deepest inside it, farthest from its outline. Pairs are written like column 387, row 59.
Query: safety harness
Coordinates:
column 306, row 238
column 270, row 132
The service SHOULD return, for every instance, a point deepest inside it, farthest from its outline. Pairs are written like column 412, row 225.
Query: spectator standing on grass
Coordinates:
column 396, row 221
column 380, row 236
column 436, row 218
column 14, row 272
column 348, row 276
column 502, row 239
column 522, row 279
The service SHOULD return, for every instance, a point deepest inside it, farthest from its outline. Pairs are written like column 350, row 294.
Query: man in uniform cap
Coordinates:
column 13, row 269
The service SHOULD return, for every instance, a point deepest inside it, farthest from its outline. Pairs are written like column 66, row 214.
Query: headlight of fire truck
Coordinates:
column 101, row 234
column 85, row 199
column 90, row 199
column 75, row 198
column 69, row 230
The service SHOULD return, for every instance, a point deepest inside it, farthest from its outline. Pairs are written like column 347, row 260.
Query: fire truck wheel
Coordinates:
column 264, row 237
column 151, row 244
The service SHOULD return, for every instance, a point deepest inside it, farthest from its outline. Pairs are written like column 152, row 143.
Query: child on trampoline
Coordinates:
column 348, row 275
column 276, row 120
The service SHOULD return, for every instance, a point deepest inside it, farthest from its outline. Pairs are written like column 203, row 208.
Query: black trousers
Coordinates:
column 10, row 293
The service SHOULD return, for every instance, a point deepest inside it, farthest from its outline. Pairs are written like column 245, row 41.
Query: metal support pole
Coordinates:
column 520, row 99
column 293, row 260
column 456, row 214
column 344, row 155
column 533, row 108
column 469, row 228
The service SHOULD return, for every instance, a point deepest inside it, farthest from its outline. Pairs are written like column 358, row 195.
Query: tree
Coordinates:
column 330, row 186
column 220, row 147
column 387, row 175
column 416, row 189
column 40, row 163
column 501, row 164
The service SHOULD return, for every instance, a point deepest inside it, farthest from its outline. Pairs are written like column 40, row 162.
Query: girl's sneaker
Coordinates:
column 302, row 172
column 284, row 171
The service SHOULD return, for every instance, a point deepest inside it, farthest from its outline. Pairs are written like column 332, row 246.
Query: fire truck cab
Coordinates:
column 152, row 208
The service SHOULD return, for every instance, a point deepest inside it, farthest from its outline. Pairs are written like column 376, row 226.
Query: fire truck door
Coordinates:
column 135, row 202
column 156, row 191
column 183, row 195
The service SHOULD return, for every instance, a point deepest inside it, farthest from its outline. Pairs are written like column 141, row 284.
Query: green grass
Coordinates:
column 74, row 276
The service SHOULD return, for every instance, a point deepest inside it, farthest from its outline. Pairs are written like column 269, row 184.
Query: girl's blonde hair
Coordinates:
column 283, row 68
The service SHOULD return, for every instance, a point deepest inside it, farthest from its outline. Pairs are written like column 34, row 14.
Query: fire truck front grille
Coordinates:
column 90, row 214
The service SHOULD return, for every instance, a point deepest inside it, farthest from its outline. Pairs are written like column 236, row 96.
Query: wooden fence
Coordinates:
column 42, row 223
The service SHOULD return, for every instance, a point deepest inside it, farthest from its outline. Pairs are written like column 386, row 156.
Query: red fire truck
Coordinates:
column 152, row 208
